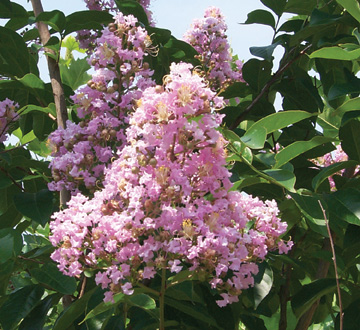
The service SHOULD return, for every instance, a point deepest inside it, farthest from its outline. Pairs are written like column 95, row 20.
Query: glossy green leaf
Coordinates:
column 350, row 105
column 5, row 180
column 255, row 138
column 329, row 171
column 263, row 282
column 73, row 312
column 141, row 300
column 277, row 6
column 10, row 9
column 260, row 16
column 352, row 7
column 282, row 177
column 257, row 73
column 349, row 135
column 19, row 305
column 37, row 317
column 50, row 275
column 11, row 244
column 29, row 108
column 252, row 322
column 297, row 148
column 75, row 74
column 345, row 202
column 14, row 56
column 87, row 19
column 309, row 293
column 310, row 208
column 198, row 313
column 264, row 52
column 300, row 7
column 37, row 206
column 336, row 53
column 319, row 17
column 56, row 19
column 270, row 124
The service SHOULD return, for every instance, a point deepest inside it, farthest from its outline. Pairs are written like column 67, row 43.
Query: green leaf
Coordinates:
column 310, row 208
column 300, row 7
column 264, row 52
column 199, row 313
column 329, row 171
column 277, row 6
column 352, row 7
column 337, row 53
column 257, row 73
column 5, row 180
column 319, row 17
column 11, row 244
column 349, row 135
column 73, row 312
column 87, row 19
column 252, row 322
column 262, row 283
column 272, row 123
column 309, row 293
column 29, row 108
column 345, row 202
column 56, row 19
column 255, row 138
column 52, row 277
column 141, row 300
column 297, row 148
column 261, row 16
column 76, row 74
column 19, row 305
column 37, row 206
column 104, row 306
column 10, row 9
column 37, row 317
column 71, row 44
column 282, row 177
column 14, row 55
column 350, row 105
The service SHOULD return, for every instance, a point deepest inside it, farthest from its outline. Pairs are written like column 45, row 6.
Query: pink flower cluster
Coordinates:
column 7, row 116
column 166, row 202
column 86, row 38
column 82, row 151
column 208, row 37
column 333, row 157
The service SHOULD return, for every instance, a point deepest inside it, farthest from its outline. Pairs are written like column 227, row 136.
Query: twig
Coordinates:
column 83, row 285
column 335, row 266
column 275, row 77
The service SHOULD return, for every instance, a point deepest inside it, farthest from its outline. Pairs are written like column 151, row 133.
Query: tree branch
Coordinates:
column 275, row 77
column 57, row 87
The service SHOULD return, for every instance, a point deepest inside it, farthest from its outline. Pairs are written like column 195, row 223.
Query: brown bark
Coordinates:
column 57, row 87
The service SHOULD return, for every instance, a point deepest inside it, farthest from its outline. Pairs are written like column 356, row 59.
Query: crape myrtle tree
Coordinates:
column 155, row 183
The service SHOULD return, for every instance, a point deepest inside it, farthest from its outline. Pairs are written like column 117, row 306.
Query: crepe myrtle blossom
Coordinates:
column 208, row 37
column 7, row 115
column 82, row 151
column 86, row 38
column 336, row 156
column 166, row 202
